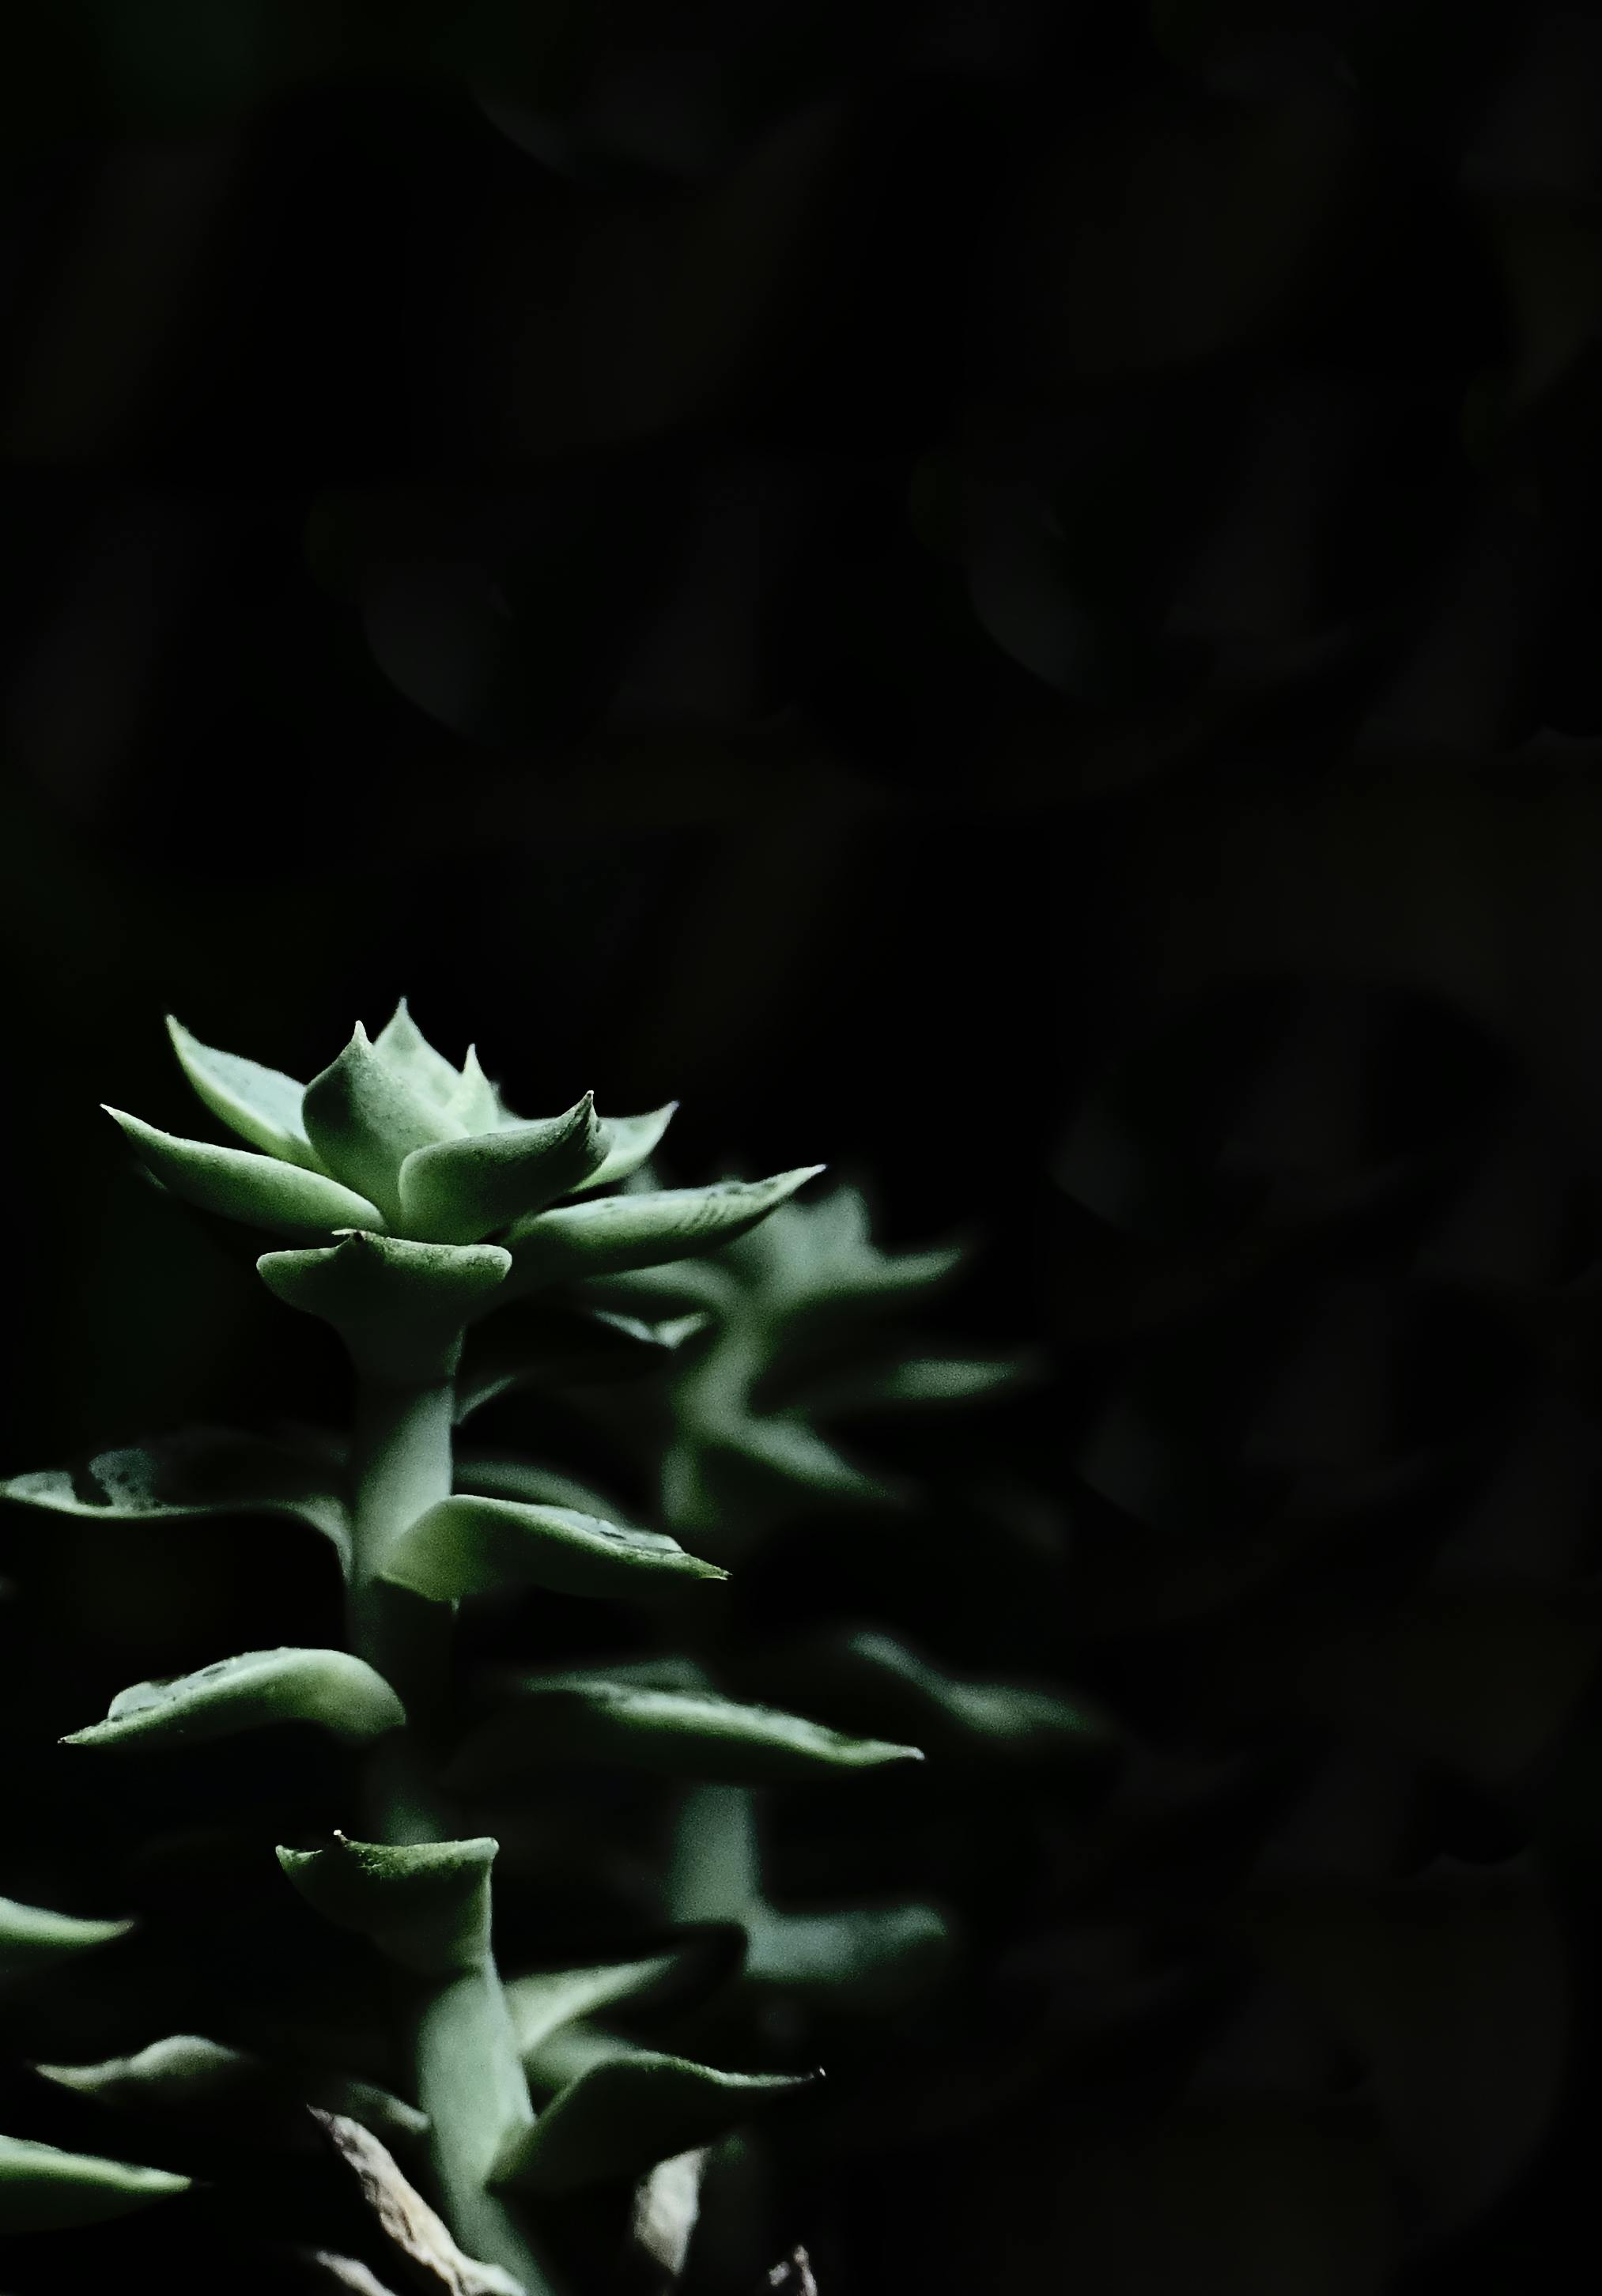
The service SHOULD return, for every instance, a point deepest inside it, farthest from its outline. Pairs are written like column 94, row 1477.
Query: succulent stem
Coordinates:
column 469, row 2077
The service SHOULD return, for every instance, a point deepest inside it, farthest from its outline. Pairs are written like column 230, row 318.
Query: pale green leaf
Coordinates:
column 540, row 2004
column 185, row 2074
column 474, row 1103
column 627, row 1141
column 687, row 1734
column 31, row 1937
column 609, row 1235
column 917, row 1381
column 331, row 1687
column 425, row 1905
column 259, row 1190
column 197, row 1475
column 458, row 1191
column 364, row 1115
column 400, row 1306
column 262, row 1105
column 404, row 1049
column 616, row 2120
column 471, row 1545
column 45, row 2190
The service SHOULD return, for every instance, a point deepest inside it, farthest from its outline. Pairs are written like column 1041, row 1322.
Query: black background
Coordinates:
column 1001, row 596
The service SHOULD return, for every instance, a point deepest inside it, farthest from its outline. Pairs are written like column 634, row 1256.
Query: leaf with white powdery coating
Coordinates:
column 458, row 1191
column 685, row 1733
column 42, row 2189
column 472, row 1546
column 194, row 1476
column 330, row 1687
column 185, row 2075
column 262, row 1105
column 543, row 2002
column 629, row 1142
column 620, row 2117
column 239, row 1185
column 402, row 1046
column 611, row 1235
column 364, row 1115
column 32, row 1938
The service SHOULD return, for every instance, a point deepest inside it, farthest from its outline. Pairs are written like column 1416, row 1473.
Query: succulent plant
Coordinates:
column 409, row 1205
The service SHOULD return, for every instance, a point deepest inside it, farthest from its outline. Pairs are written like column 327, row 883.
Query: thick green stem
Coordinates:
column 469, row 2081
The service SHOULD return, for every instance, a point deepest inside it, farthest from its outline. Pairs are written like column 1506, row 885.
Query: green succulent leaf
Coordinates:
column 918, row 1380
column 628, row 2113
column 366, row 1113
column 425, row 1905
column 613, row 1234
column 458, row 1191
column 32, row 1938
column 474, row 1103
column 204, row 1473
column 262, row 1105
column 405, row 1052
column 331, row 1687
column 261, row 1191
column 627, row 1143
column 400, row 1306
column 473, row 1546
column 562, row 1343
column 45, row 2190
column 185, row 2074
column 549, row 1999
column 685, row 1733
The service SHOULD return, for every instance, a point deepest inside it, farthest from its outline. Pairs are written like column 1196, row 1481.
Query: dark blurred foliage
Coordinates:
column 994, row 594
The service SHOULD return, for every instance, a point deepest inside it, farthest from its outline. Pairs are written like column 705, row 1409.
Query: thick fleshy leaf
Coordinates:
column 364, row 1115
column 623, row 2115
column 820, row 1256
column 545, row 1342
column 918, row 1380
column 627, row 1141
column 32, row 1938
column 474, row 1546
column 262, row 1105
column 330, row 1687
column 400, row 1307
column 425, row 1905
column 611, row 1234
column 186, row 2075
column 258, row 1190
column 404, row 1049
column 45, row 2190
column 474, row 1103
column 550, row 1998
column 687, row 1734
column 196, row 1475
column 458, row 1191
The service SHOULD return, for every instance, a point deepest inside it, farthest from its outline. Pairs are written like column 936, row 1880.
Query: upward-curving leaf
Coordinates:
column 186, row 2077
column 404, row 1049
column 364, row 1114
column 262, row 1105
column 627, row 2113
column 259, row 1190
column 627, row 1141
column 609, row 1235
column 426, row 1904
column 42, row 2189
column 32, row 1938
column 687, row 1734
column 330, row 1687
column 458, row 1191
column 400, row 1306
column 473, row 1546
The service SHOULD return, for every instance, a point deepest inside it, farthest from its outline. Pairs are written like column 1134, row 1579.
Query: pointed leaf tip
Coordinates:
column 331, row 1687
column 43, row 2189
